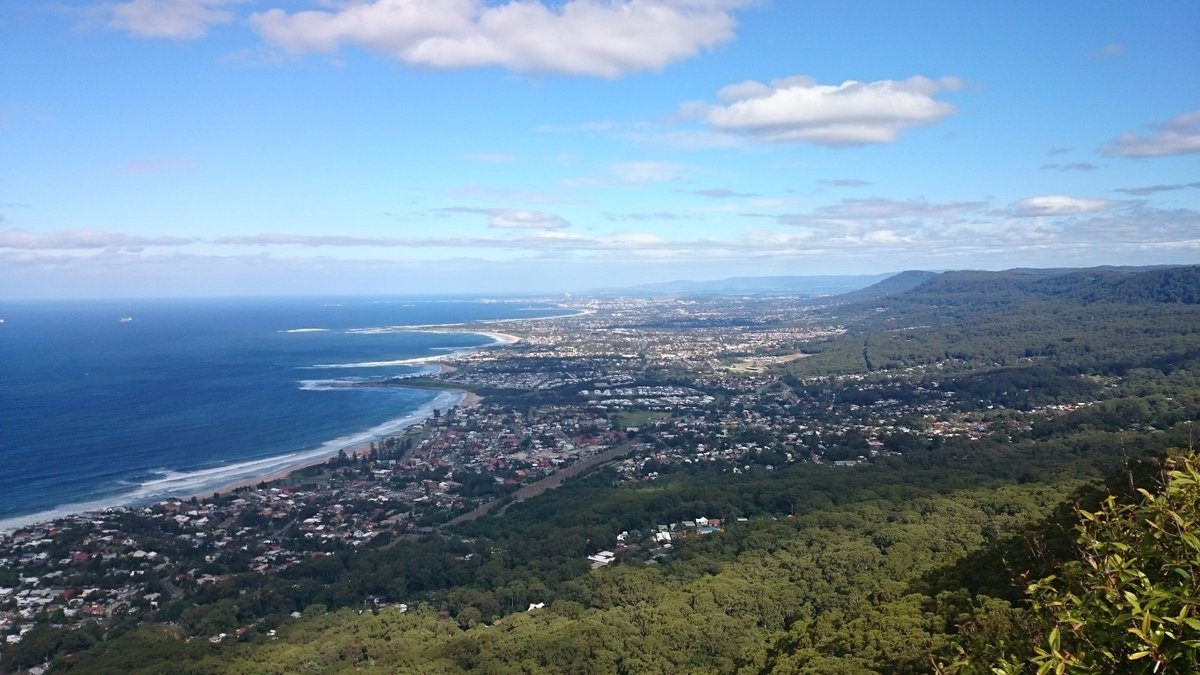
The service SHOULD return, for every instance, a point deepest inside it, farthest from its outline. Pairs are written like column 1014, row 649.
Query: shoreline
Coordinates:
column 469, row 399
column 499, row 339
column 465, row 399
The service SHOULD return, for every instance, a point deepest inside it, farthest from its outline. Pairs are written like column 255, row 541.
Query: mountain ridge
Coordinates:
column 815, row 285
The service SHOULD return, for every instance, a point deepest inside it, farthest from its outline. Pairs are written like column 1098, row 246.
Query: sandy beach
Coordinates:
column 501, row 339
column 469, row 400
column 438, row 361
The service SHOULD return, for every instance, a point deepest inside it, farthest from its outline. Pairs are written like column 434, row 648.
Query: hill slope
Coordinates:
column 893, row 285
column 1103, row 322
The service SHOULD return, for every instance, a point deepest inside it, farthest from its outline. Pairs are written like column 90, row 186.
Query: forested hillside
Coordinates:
column 1063, row 391
column 1103, row 323
column 893, row 285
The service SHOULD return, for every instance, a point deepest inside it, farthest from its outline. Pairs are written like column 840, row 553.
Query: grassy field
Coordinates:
column 638, row 418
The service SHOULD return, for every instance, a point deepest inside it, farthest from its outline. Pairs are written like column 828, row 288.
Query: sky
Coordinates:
column 279, row 147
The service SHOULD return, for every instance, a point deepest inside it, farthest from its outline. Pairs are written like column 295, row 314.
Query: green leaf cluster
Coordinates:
column 1132, row 601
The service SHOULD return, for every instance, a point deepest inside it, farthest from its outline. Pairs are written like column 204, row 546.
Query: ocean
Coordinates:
column 114, row 403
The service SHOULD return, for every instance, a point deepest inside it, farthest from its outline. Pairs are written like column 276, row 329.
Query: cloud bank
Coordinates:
column 82, row 239
column 1147, row 190
column 1178, row 136
column 577, row 37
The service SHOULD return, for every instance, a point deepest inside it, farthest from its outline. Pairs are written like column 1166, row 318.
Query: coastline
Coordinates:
column 466, row 399
column 280, row 467
column 499, row 339
column 469, row 399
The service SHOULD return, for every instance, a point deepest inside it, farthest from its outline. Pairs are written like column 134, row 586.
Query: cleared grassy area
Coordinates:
column 638, row 418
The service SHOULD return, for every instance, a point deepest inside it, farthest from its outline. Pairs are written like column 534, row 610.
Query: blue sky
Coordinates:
column 234, row 147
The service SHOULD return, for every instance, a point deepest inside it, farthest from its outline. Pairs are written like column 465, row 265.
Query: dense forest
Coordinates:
column 1059, row 542
column 1101, row 322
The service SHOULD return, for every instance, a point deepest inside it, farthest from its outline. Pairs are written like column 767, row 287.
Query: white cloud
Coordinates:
column 607, row 38
column 1178, row 136
column 170, row 19
column 82, row 239
column 853, row 113
column 873, row 209
column 521, row 219
column 1061, row 205
column 743, row 91
column 1147, row 190
column 515, row 219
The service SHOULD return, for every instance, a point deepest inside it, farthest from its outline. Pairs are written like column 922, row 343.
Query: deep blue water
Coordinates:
column 189, row 395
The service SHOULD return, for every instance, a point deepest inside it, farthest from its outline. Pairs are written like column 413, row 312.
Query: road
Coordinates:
column 549, row 482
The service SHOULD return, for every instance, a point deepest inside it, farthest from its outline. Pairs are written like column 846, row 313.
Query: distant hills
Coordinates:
column 1098, row 320
column 1171, row 285
column 892, row 285
column 791, row 285
column 1091, row 285
column 1178, row 284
